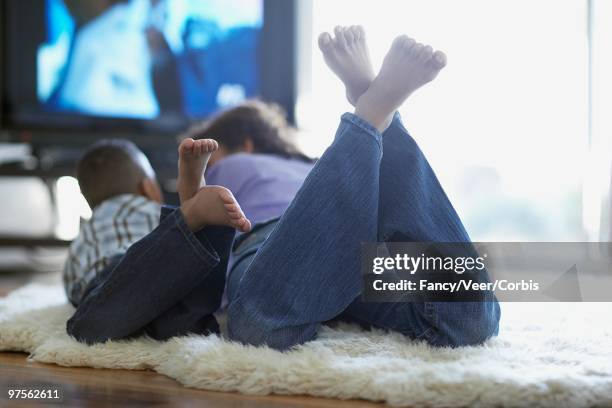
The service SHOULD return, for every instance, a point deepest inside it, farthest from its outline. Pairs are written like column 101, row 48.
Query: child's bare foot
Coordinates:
column 407, row 66
column 214, row 205
column 193, row 157
column 348, row 57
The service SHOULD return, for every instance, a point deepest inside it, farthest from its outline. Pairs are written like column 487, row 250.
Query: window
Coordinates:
column 505, row 125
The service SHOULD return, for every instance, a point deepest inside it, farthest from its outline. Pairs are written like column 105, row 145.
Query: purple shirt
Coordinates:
column 263, row 184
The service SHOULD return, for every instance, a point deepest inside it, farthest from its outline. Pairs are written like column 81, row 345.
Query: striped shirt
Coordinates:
column 115, row 224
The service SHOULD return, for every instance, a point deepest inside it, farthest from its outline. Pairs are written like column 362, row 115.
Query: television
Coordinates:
column 140, row 67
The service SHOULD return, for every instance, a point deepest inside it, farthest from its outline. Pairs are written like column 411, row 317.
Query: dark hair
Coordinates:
column 263, row 123
column 108, row 168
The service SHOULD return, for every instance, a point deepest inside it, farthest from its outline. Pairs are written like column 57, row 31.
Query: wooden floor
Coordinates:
column 122, row 388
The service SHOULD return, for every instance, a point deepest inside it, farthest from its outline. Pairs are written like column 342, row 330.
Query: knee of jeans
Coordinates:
column 475, row 323
column 260, row 331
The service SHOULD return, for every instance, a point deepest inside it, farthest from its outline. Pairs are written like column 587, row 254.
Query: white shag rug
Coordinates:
column 549, row 355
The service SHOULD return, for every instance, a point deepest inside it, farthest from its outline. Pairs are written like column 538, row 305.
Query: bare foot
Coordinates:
column 407, row 66
column 348, row 57
column 214, row 205
column 193, row 157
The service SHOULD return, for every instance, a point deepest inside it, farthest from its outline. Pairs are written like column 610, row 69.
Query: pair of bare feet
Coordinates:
column 407, row 66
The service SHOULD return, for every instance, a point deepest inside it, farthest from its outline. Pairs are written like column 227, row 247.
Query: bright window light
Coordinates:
column 71, row 207
column 505, row 125
column 597, row 180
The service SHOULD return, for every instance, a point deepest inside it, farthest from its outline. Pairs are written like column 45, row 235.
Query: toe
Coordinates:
column 359, row 33
column 348, row 35
column 353, row 30
column 426, row 54
column 198, row 146
column 206, row 146
column 236, row 221
column 226, row 196
column 244, row 225
column 325, row 42
column 234, row 215
column 210, row 145
column 340, row 40
column 438, row 60
column 408, row 43
column 399, row 41
column 186, row 145
column 231, row 208
column 416, row 49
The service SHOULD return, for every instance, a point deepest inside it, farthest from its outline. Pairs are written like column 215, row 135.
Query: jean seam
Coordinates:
column 431, row 334
column 430, row 314
column 166, row 211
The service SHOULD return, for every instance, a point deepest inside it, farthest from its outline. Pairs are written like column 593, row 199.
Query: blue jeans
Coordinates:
column 167, row 284
column 294, row 274
column 308, row 270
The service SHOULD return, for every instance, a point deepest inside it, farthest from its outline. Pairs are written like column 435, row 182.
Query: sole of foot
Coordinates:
column 347, row 55
column 214, row 205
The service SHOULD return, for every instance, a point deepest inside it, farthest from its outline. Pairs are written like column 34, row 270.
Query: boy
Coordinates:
column 120, row 186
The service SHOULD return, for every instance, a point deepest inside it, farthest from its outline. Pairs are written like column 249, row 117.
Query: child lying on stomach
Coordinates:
column 120, row 186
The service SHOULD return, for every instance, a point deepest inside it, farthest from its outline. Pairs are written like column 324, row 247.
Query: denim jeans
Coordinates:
column 308, row 270
column 294, row 274
column 169, row 283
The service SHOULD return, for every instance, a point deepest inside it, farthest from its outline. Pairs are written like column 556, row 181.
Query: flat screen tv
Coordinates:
column 151, row 66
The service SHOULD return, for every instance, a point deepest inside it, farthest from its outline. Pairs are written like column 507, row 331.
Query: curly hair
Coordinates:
column 263, row 123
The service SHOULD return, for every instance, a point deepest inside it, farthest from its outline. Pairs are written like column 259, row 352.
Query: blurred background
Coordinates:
column 517, row 126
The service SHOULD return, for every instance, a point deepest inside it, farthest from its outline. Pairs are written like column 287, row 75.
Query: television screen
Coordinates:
column 148, row 59
column 82, row 69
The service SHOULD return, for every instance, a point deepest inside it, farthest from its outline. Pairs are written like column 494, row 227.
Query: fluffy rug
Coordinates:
column 549, row 355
